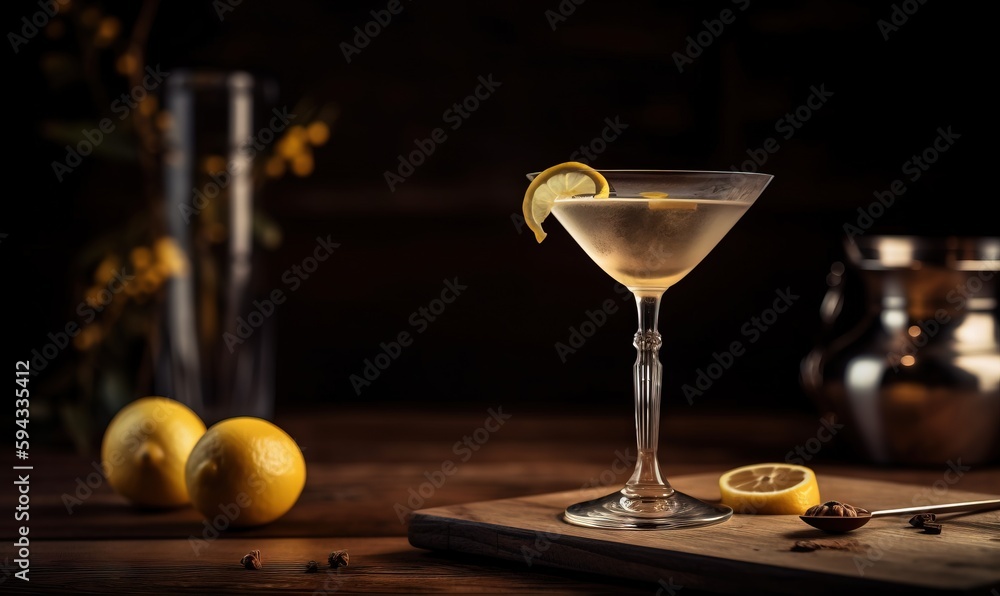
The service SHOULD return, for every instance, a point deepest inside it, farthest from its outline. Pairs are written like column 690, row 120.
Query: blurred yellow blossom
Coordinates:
column 298, row 132
column 318, row 133
column 163, row 120
column 107, row 31
column 141, row 257
column 275, row 166
column 106, row 268
column 149, row 105
column 213, row 164
column 88, row 337
column 94, row 296
column 147, row 283
column 170, row 259
column 290, row 145
column 126, row 64
column 302, row 164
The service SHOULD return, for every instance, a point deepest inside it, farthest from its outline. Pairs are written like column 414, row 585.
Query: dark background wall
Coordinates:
column 888, row 92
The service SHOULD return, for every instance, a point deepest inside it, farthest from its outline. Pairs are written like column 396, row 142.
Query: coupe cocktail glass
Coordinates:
column 653, row 229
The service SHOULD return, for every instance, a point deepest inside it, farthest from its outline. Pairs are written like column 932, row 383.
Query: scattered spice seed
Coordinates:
column 932, row 528
column 921, row 519
column 252, row 560
column 805, row 546
column 312, row 567
column 339, row 558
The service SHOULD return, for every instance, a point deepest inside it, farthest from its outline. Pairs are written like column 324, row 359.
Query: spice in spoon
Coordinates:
column 836, row 509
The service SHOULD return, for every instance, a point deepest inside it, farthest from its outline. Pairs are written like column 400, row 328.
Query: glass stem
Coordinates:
column 647, row 380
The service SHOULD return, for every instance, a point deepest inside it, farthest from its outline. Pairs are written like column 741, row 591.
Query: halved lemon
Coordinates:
column 770, row 489
column 560, row 181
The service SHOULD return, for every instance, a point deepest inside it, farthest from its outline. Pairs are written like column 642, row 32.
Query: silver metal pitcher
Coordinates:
column 911, row 366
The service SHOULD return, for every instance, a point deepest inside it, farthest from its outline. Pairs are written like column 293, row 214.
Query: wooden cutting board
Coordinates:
column 746, row 554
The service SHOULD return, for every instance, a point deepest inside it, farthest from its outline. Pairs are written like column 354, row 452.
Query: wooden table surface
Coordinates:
column 362, row 465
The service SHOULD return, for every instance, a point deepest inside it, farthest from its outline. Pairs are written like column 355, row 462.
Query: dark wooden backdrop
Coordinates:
column 891, row 91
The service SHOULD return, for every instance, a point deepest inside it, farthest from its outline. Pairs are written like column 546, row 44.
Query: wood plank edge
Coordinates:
column 433, row 532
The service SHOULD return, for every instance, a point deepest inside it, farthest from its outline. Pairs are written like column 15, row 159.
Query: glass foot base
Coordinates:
column 620, row 512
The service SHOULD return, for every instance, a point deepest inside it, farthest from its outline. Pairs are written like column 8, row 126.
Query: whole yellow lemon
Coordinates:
column 246, row 469
column 145, row 448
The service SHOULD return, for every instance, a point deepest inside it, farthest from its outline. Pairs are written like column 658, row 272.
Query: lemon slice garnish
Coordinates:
column 667, row 203
column 673, row 204
column 560, row 181
column 770, row 488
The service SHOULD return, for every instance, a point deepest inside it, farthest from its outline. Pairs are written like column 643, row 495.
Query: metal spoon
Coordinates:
column 839, row 525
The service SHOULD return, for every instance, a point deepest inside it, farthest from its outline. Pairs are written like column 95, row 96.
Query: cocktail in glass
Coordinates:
column 652, row 229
